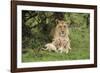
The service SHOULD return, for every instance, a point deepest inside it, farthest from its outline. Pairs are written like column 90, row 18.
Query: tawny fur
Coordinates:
column 61, row 37
column 51, row 47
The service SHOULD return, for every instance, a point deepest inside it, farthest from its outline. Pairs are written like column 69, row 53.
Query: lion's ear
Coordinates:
column 57, row 21
column 68, row 22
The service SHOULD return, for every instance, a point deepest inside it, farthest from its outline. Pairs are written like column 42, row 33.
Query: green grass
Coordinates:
column 79, row 44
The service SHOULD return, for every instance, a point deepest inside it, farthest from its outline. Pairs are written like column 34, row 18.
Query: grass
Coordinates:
column 79, row 44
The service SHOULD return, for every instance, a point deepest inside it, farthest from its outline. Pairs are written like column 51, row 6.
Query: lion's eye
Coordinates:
column 59, row 26
column 64, row 26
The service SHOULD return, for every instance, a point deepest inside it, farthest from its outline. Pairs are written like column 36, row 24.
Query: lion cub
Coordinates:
column 51, row 47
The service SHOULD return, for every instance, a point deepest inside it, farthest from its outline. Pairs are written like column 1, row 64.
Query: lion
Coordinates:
column 51, row 47
column 61, row 37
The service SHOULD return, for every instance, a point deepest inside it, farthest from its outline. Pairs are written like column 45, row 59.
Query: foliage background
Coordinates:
column 36, row 28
